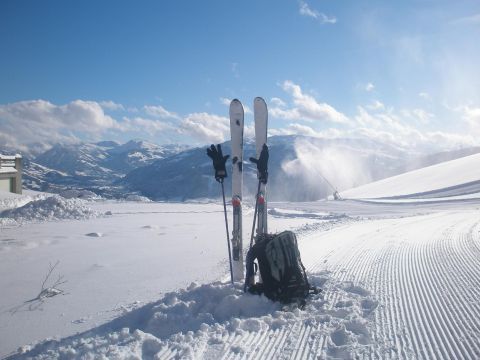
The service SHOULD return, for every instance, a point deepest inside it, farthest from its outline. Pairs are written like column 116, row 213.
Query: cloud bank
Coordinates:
column 40, row 121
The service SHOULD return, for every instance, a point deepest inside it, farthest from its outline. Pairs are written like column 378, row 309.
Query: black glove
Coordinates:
column 218, row 161
column 262, row 164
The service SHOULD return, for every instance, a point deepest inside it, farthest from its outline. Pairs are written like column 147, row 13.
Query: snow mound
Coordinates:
column 213, row 320
column 51, row 208
column 9, row 200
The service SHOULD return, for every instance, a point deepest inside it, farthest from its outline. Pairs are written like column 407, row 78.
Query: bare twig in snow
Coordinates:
column 45, row 291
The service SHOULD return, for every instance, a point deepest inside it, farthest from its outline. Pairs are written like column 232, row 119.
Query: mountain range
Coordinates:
column 301, row 168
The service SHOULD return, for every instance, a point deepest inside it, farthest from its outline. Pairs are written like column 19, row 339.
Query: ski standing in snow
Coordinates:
column 236, row 130
column 282, row 275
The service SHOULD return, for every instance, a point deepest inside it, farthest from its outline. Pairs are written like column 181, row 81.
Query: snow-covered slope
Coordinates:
column 399, row 281
column 452, row 178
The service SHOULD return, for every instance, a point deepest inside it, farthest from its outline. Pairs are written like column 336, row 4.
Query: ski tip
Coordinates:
column 235, row 101
column 258, row 98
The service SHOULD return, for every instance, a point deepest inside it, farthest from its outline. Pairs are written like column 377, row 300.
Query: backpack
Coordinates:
column 281, row 269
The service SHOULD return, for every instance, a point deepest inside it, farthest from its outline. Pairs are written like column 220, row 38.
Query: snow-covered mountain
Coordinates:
column 300, row 169
column 92, row 166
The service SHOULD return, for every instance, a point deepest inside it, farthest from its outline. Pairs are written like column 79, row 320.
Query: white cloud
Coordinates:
column 39, row 121
column 160, row 112
column 143, row 125
column 110, row 105
column 376, row 105
column 227, row 101
column 369, row 87
column 278, row 102
column 206, row 127
column 471, row 115
column 306, row 10
column 306, row 108
column 388, row 126
column 300, row 129
column 422, row 115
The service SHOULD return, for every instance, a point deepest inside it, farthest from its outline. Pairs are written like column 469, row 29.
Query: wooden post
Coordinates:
column 17, row 185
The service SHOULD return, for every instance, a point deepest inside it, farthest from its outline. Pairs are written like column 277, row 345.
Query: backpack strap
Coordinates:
column 250, row 268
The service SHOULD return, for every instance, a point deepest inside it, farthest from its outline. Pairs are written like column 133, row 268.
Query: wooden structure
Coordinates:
column 11, row 173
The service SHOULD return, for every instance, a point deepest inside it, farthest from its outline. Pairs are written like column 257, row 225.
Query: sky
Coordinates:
column 402, row 72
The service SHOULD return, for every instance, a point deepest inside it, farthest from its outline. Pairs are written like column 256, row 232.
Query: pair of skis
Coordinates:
column 236, row 129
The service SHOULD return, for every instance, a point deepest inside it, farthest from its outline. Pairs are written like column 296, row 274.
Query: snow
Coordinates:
column 50, row 208
column 400, row 277
column 450, row 176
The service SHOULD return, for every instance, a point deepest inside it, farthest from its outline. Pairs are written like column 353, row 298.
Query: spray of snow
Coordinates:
column 334, row 165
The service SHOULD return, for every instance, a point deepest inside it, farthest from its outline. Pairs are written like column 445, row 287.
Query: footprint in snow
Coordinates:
column 94, row 234
column 151, row 227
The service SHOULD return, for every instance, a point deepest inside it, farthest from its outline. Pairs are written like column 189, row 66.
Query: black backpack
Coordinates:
column 281, row 269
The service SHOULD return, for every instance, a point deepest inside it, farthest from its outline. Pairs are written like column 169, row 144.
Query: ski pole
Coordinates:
column 228, row 233
column 255, row 214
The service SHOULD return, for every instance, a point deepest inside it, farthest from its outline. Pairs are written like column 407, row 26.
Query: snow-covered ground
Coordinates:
column 150, row 280
column 451, row 178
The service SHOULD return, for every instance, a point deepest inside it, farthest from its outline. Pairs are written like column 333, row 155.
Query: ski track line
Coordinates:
column 459, row 258
column 422, row 277
column 460, row 302
column 167, row 354
column 270, row 344
column 393, row 278
column 382, row 318
column 448, row 304
column 405, row 260
column 247, row 344
column 302, row 343
column 420, row 308
column 386, row 319
column 390, row 308
column 380, row 273
column 239, row 341
column 406, row 301
column 432, row 314
column 340, row 274
column 453, row 327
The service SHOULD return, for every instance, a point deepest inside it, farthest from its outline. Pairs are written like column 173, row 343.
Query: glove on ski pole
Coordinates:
column 221, row 173
column 218, row 161
column 262, row 164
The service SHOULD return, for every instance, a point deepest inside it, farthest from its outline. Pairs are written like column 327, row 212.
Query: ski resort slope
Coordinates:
column 460, row 177
column 404, row 286
column 400, row 278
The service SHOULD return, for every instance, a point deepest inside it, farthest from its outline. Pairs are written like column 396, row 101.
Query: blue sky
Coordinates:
column 404, row 72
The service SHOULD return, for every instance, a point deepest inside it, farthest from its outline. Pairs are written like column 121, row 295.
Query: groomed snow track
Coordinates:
column 398, row 288
column 424, row 277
